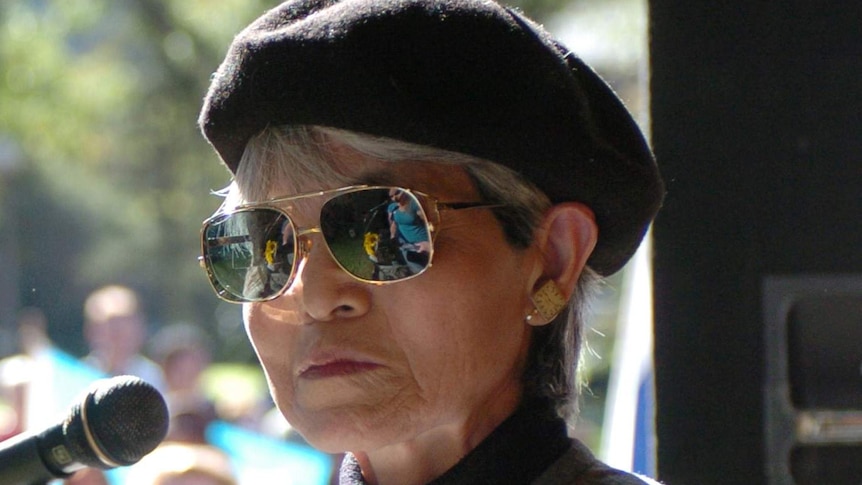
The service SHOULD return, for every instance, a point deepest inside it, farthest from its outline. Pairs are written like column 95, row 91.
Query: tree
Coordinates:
column 101, row 98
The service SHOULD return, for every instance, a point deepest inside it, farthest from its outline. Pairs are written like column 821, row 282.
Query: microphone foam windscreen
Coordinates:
column 120, row 420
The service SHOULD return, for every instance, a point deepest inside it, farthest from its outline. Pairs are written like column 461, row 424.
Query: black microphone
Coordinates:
column 115, row 423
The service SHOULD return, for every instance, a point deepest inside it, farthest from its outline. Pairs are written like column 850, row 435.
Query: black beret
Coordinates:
column 469, row 76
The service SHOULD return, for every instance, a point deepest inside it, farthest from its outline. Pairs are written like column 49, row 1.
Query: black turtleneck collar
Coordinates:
column 516, row 452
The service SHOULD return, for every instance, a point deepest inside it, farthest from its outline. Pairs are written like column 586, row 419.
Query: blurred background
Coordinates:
column 105, row 179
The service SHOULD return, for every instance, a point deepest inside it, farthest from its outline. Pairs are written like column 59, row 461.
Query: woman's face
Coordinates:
column 355, row 366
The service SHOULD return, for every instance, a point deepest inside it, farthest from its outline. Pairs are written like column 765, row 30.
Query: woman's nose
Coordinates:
column 326, row 291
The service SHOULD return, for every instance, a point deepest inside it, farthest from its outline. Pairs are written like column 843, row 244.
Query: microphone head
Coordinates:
column 117, row 422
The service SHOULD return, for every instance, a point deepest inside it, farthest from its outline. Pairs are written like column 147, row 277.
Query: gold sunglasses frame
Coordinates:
column 300, row 234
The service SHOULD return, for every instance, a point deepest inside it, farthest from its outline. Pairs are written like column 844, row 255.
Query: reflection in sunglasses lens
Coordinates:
column 375, row 238
column 251, row 253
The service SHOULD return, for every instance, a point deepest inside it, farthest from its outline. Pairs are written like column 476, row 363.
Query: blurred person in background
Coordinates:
column 533, row 182
column 115, row 329
column 184, row 353
column 183, row 464
column 17, row 371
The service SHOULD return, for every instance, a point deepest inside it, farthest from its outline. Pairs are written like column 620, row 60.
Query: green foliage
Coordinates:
column 100, row 99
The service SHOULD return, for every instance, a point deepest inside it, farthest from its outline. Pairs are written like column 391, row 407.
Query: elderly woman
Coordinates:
column 532, row 180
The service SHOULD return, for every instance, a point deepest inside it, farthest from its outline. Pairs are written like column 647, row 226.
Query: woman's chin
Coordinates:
column 356, row 429
column 351, row 421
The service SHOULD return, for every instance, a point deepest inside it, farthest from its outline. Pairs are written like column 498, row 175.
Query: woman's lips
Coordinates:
column 336, row 368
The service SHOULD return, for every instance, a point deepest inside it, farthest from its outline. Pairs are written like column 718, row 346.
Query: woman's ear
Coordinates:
column 565, row 239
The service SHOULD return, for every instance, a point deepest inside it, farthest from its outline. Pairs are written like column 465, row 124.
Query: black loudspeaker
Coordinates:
column 813, row 400
column 756, row 116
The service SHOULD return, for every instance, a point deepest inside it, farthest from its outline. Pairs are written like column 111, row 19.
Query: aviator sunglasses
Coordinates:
column 376, row 234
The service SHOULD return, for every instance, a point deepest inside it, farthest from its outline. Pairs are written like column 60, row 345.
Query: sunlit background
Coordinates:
column 104, row 178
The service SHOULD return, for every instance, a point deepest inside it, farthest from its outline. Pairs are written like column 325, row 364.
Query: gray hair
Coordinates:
column 302, row 152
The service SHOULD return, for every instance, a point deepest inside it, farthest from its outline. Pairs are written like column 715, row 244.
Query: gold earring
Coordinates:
column 549, row 301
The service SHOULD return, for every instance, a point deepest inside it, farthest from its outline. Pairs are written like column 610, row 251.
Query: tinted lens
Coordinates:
column 377, row 234
column 249, row 254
